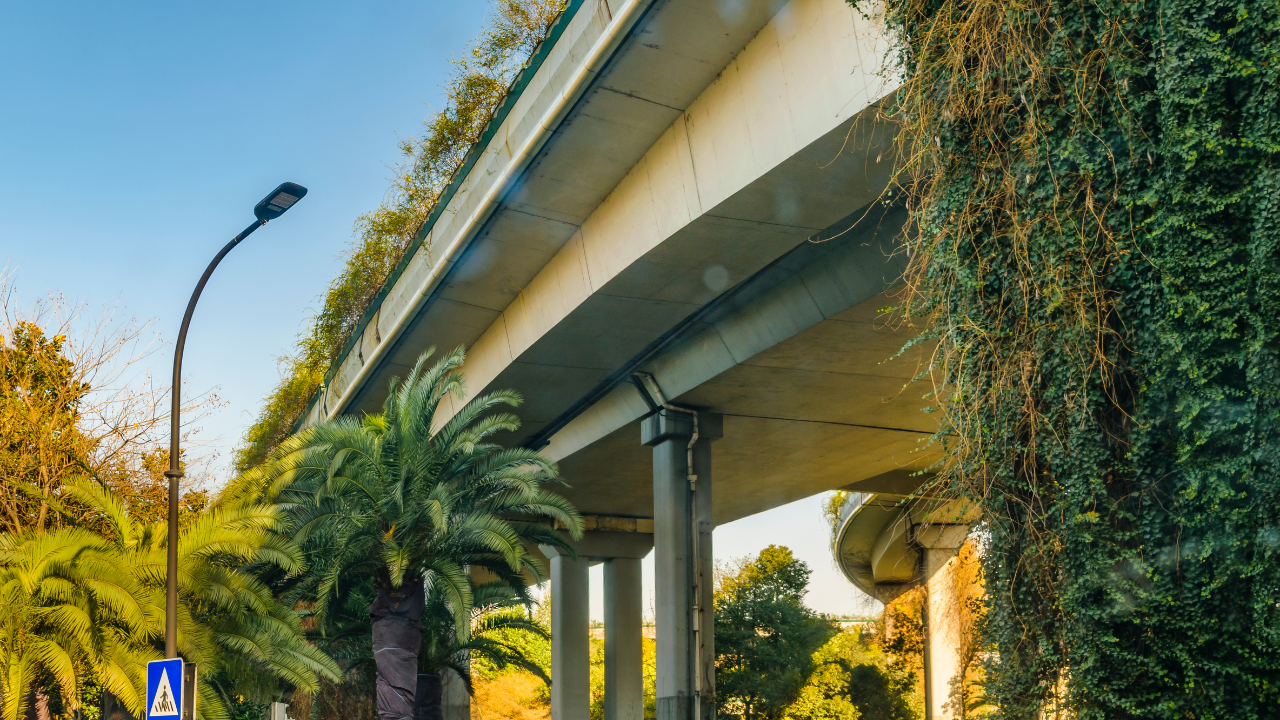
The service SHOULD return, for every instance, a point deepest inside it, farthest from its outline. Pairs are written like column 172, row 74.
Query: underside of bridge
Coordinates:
column 675, row 242
column 823, row 404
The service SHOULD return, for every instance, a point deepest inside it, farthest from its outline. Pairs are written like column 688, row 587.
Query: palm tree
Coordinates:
column 229, row 622
column 389, row 501
column 71, row 607
column 496, row 611
column 82, row 604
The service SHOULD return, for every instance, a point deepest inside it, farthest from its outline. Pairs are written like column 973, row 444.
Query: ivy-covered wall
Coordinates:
column 1097, row 198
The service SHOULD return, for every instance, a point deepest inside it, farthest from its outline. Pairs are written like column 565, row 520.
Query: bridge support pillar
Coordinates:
column 623, row 640
column 683, row 561
column 570, row 638
column 455, row 703
column 621, row 547
column 939, row 545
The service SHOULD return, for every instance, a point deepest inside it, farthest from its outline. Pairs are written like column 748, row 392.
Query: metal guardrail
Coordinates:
column 851, row 504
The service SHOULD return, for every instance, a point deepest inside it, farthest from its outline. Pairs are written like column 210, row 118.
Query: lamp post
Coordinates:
column 272, row 206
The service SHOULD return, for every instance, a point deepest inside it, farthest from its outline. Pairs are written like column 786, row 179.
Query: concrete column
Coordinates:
column 705, row 652
column 939, row 545
column 623, row 650
column 570, row 638
column 455, row 702
column 682, row 562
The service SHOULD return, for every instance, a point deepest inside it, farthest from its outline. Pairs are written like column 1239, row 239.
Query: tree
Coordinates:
column 82, row 558
column 71, row 607
column 73, row 402
column 40, row 398
column 855, row 678
column 901, row 634
column 500, row 638
column 229, row 622
column 765, row 635
column 388, row 502
column 968, row 692
column 80, row 605
column 497, row 614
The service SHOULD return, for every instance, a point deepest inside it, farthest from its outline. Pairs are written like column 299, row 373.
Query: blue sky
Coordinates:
column 136, row 137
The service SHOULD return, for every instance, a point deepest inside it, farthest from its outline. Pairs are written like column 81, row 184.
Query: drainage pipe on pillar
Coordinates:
column 648, row 386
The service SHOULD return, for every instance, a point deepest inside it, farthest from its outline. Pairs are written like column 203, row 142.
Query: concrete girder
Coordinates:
column 599, row 261
column 803, row 370
column 663, row 226
column 894, row 560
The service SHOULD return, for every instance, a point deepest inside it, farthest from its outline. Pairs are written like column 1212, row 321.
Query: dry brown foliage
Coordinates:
column 77, row 399
column 962, row 86
column 510, row 696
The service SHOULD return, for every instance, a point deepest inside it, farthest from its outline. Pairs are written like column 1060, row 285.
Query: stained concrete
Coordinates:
column 623, row 641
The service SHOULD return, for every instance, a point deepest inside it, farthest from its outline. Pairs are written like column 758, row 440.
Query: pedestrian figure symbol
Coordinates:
column 164, row 703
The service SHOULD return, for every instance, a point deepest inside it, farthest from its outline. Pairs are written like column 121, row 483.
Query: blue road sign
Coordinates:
column 164, row 689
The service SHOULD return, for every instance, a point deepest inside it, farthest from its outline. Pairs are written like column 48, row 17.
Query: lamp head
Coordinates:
column 279, row 200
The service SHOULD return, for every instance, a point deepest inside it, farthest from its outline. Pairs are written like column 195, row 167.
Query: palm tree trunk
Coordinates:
column 38, row 705
column 397, row 638
column 429, row 698
column 112, row 709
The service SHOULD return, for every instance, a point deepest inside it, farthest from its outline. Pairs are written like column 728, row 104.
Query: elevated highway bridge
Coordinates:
column 672, row 241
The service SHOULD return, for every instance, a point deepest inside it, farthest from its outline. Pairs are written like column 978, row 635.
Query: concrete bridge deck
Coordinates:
column 680, row 203
column 660, row 225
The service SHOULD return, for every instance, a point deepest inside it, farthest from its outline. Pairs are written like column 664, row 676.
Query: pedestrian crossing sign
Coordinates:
column 164, row 689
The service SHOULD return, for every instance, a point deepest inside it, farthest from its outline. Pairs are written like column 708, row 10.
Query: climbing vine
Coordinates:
column 1096, row 202
column 479, row 83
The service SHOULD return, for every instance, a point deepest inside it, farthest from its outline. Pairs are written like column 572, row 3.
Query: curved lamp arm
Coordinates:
column 174, row 473
column 272, row 206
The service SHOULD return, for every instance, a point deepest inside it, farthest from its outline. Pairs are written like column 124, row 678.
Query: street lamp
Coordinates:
column 272, row 206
